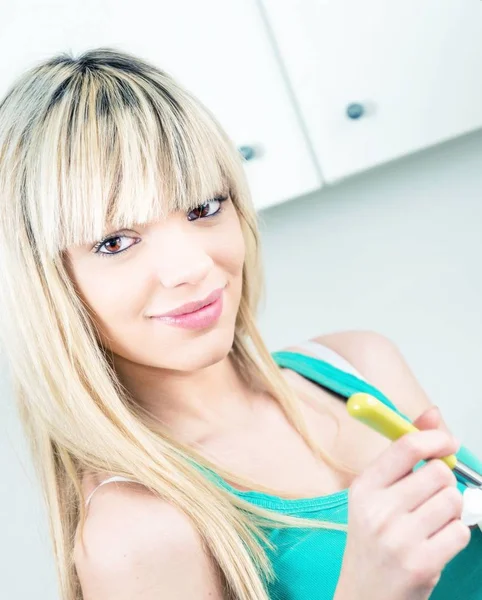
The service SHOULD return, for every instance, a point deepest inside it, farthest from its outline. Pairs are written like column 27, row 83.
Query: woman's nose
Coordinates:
column 192, row 270
column 186, row 262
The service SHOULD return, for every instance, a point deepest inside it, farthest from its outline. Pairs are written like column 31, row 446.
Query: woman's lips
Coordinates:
column 190, row 307
column 198, row 319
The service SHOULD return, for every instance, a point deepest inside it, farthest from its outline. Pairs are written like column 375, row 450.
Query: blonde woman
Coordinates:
column 179, row 459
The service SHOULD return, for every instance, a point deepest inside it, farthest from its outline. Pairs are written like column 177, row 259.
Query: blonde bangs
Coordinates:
column 117, row 148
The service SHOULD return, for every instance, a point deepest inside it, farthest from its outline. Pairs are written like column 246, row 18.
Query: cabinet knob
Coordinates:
column 247, row 152
column 355, row 110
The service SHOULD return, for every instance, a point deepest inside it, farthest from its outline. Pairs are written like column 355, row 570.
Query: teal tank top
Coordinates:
column 307, row 562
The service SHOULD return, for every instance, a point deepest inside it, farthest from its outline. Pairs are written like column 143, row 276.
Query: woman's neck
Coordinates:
column 196, row 407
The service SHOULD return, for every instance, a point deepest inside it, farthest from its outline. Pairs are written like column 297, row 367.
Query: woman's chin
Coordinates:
column 206, row 351
column 190, row 355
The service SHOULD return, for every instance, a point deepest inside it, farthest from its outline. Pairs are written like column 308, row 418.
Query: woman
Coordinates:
column 178, row 457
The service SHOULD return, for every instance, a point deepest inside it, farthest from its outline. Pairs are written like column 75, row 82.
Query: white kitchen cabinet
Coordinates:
column 414, row 66
column 219, row 49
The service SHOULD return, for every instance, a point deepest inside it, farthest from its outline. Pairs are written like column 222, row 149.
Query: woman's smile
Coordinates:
column 195, row 315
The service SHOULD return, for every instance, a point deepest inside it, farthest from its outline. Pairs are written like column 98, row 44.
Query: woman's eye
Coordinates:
column 113, row 245
column 208, row 209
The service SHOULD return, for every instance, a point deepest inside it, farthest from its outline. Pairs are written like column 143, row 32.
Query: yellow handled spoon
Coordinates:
column 374, row 413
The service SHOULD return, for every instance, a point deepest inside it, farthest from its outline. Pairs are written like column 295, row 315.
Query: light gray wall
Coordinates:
column 396, row 250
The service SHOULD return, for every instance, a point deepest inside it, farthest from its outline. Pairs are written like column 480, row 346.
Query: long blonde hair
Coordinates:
column 108, row 137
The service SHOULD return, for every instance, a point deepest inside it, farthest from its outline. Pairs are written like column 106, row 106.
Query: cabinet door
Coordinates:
column 219, row 49
column 414, row 66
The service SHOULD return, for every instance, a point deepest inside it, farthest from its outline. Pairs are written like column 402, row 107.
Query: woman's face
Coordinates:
column 133, row 278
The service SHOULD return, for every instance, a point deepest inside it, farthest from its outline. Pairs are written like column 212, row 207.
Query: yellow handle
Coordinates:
column 381, row 418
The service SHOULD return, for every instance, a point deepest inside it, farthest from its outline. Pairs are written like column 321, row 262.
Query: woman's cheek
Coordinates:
column 108, row 294
column 232, row 249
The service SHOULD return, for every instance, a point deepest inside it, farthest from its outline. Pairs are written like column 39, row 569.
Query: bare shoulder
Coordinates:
column 135, row 545
column 381, row 362
column 368, row 351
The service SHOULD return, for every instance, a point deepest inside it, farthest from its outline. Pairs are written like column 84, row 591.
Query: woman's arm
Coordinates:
column 139, row 547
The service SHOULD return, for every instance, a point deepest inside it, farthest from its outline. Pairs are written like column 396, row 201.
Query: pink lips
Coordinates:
column 195, row 315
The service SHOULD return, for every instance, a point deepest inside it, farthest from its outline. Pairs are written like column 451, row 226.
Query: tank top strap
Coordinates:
column 330, row 356
column 112, row 479
column 331, row 371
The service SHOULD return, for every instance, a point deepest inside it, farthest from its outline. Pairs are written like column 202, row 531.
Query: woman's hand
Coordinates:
column 403, row 527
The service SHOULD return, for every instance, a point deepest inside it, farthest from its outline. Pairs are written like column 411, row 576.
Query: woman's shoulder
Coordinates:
column 360, row 347
column 363, row 350
column 133, row 541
